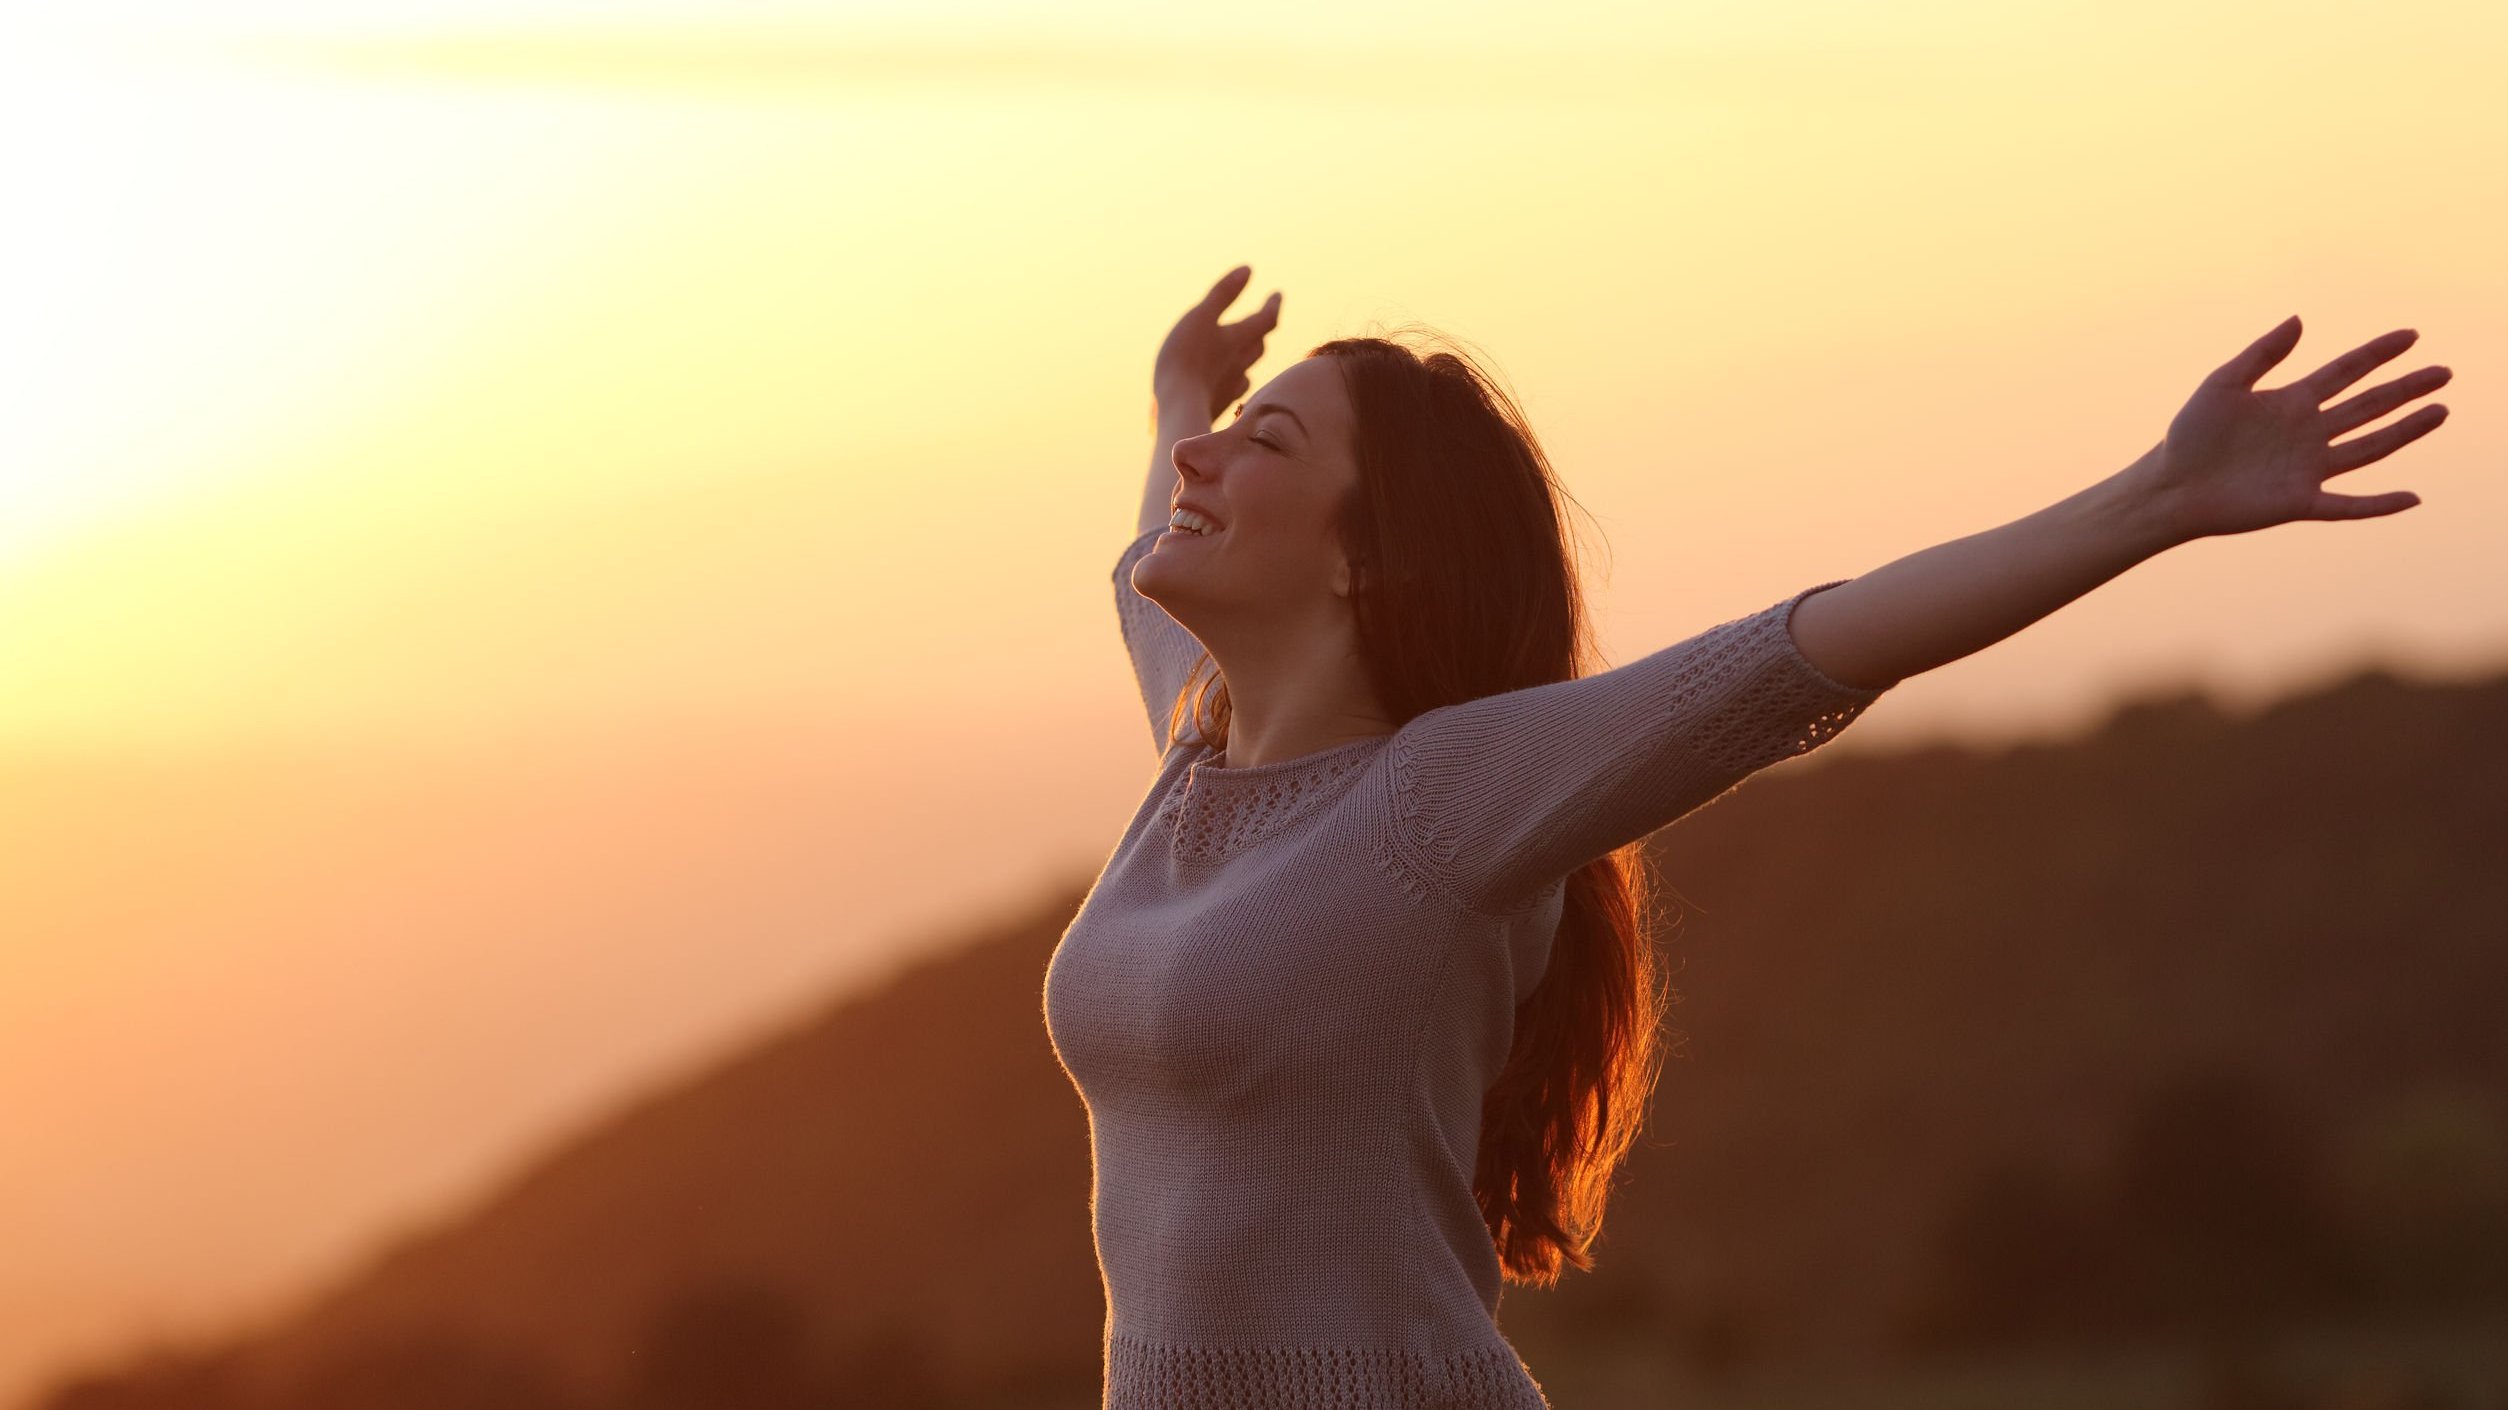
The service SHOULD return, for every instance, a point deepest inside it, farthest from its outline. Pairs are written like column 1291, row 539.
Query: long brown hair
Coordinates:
column 1465, row 586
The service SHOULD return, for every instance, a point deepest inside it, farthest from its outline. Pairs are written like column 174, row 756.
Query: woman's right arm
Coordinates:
column 1172, row 418
column 1163, row 653
column 1200, row 368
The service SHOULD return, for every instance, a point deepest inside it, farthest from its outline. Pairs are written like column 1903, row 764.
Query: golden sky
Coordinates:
column 412, row 382
column 433, row 367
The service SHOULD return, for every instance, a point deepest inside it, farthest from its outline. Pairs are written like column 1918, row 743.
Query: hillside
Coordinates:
column 2192, row 1020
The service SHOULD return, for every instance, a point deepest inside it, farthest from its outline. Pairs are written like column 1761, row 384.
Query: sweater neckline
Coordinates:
column 1204, row 770
column 1216, row 812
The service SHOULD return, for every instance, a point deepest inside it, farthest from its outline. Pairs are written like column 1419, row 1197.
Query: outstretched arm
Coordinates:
column 1498, row 797
column 2234, row 460
column 1495, row 799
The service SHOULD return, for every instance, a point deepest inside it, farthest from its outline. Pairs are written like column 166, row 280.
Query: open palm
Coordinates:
column 2237, row 459
column 1203, row 363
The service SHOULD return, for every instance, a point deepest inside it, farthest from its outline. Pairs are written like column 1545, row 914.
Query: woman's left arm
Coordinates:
column 2235, row 460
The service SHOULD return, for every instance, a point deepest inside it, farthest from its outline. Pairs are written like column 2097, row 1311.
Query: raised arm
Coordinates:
column 2234, row 460
column 1200, row 368
column 1163, row 653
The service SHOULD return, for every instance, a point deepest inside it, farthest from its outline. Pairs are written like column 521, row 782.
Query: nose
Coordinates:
column 1187, row 456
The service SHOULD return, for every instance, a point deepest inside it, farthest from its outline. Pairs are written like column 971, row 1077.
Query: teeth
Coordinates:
column 1191, row 522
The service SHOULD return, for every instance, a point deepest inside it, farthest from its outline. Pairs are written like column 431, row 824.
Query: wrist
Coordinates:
column 1182, row 413
column 2147, row 513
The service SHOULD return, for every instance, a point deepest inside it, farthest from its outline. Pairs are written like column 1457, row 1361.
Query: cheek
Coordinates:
column 1284, row 526
column 1287, row 513
column 1291, row 533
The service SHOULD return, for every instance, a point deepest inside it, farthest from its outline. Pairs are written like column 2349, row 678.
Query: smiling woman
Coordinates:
column 1362, row 1007
column 470, row 348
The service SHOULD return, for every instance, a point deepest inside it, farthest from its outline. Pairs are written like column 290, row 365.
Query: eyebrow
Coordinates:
column 1269, row 407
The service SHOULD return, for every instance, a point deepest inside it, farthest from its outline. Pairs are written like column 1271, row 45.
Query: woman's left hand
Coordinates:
column 2237, row 459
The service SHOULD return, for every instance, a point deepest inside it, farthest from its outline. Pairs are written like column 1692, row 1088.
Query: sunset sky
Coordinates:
column 733, row 414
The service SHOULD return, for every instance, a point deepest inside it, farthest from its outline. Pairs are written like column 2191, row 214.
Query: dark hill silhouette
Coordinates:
column 2191, row 1021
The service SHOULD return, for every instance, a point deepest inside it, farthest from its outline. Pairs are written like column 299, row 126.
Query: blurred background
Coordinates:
column 558, row 679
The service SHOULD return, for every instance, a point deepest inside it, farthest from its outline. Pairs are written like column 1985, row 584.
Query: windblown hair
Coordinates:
column 1464, row 586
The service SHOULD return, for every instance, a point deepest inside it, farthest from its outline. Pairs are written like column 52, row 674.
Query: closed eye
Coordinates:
column 1257, row 437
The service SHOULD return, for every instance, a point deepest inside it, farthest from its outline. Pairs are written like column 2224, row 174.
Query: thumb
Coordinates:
column 1261, row 320
column 2365, row 506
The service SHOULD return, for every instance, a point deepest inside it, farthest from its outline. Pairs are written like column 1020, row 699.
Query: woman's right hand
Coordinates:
column 1201, row 367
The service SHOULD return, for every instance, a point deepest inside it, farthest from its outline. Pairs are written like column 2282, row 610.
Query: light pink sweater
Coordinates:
column 1292, row 983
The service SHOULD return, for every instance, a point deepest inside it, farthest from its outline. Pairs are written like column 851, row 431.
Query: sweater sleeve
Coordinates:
column 1497, row 798
column 1163, row 652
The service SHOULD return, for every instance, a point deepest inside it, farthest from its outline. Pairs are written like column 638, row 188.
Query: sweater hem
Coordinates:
column 1147, row 1375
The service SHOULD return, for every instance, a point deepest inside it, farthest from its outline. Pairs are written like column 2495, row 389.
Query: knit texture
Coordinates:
column 1291, row 984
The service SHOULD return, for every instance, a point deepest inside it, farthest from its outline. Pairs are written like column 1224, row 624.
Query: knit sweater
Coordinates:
column 1291, row 984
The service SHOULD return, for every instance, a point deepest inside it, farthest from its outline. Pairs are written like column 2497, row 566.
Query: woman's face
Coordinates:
column 1274, row 478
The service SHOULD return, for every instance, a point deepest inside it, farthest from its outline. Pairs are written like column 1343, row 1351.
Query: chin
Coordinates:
column 1146, row 580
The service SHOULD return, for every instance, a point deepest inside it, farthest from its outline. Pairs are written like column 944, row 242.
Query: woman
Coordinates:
column 1362, row 1007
